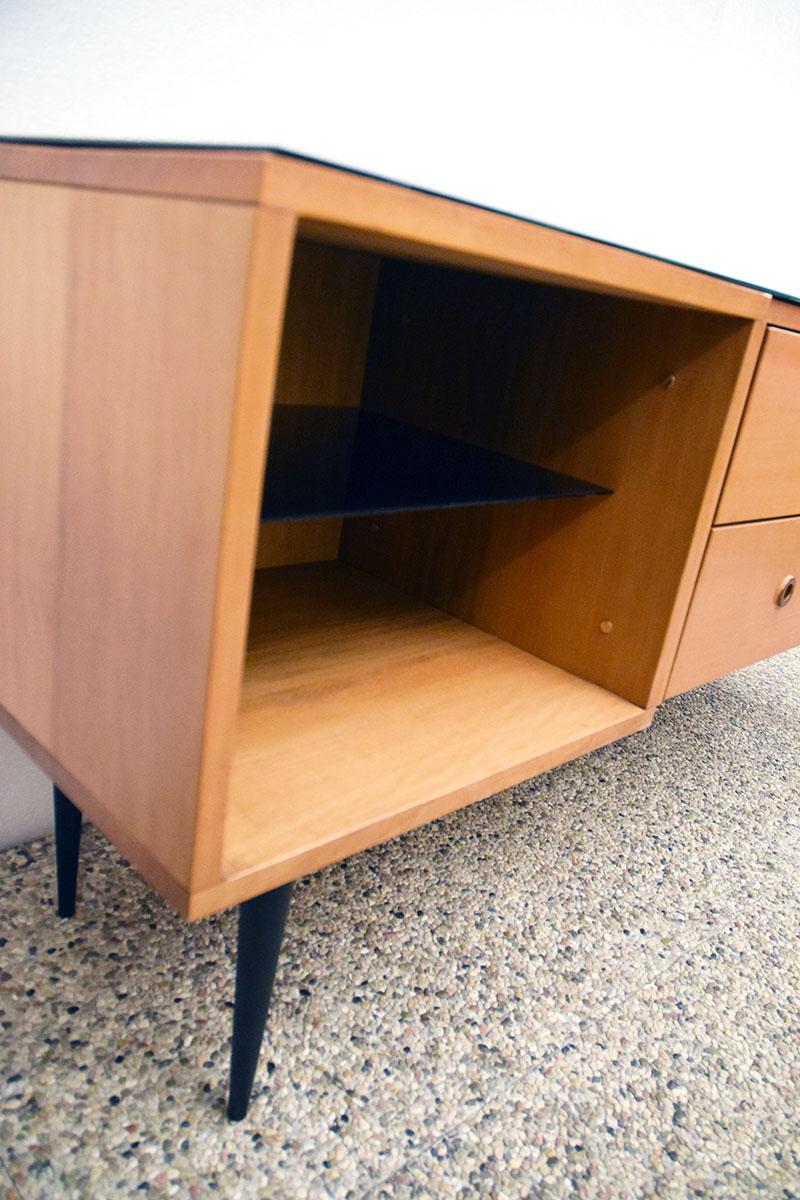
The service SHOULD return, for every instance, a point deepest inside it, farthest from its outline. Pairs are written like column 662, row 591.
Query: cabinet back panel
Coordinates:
column 576, row 383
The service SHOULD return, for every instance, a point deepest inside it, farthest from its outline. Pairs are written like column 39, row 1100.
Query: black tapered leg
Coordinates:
column 261, row 924
column 68, row 844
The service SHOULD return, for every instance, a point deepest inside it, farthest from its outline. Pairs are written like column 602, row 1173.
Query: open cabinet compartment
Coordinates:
column 433, row 641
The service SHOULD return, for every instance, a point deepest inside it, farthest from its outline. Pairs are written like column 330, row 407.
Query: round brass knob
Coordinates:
column 786, row 591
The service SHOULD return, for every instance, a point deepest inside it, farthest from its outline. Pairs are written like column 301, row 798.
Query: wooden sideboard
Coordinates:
column 328, row 507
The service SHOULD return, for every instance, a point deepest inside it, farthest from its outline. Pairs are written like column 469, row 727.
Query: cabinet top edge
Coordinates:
column 200, row 173
column 383, row 214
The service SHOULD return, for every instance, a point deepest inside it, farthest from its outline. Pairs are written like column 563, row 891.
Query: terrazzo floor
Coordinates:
column 587, row 986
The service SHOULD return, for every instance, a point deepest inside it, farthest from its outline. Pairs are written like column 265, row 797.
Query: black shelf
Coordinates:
column 345, row 462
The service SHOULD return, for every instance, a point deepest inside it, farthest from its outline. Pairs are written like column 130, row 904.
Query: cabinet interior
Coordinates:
column 479, row 497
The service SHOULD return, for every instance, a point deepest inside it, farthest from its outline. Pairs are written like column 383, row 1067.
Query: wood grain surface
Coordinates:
column 365, row 713
column 764, row 476
column 734, row 619
column 118, row 390
column 380, row 215
column 574, row 382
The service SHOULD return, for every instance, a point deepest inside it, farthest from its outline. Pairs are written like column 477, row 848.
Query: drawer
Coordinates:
column 764, row 476
column 743, row 609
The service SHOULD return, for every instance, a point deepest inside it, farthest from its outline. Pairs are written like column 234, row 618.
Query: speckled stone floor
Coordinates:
column 588, row 986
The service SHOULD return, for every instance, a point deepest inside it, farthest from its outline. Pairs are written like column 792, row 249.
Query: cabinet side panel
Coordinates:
column 268, row 279
column 155, row 312
column 322, row 357
column 33, row 296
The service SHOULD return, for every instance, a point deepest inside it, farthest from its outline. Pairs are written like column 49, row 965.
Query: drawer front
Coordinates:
column 745, row 607
column 764, row 476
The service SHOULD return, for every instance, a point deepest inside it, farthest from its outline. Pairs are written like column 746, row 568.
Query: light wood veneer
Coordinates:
column 764, row 476
column 380, row 216
column 734, row 619
column 365, row 713
column 120, row 356
column 232, row 727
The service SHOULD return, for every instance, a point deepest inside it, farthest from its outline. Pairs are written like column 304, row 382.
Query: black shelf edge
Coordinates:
column 346, row 462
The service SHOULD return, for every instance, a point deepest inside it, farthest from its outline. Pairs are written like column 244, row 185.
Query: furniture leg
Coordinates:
column 261, row 925
column 68, row 820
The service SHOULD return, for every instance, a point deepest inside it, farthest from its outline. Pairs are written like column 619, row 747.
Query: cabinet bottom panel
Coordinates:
column 366, row 713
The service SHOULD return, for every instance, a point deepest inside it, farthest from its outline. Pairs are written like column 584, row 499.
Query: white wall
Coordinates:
column 665, row 125
column 26, row 796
